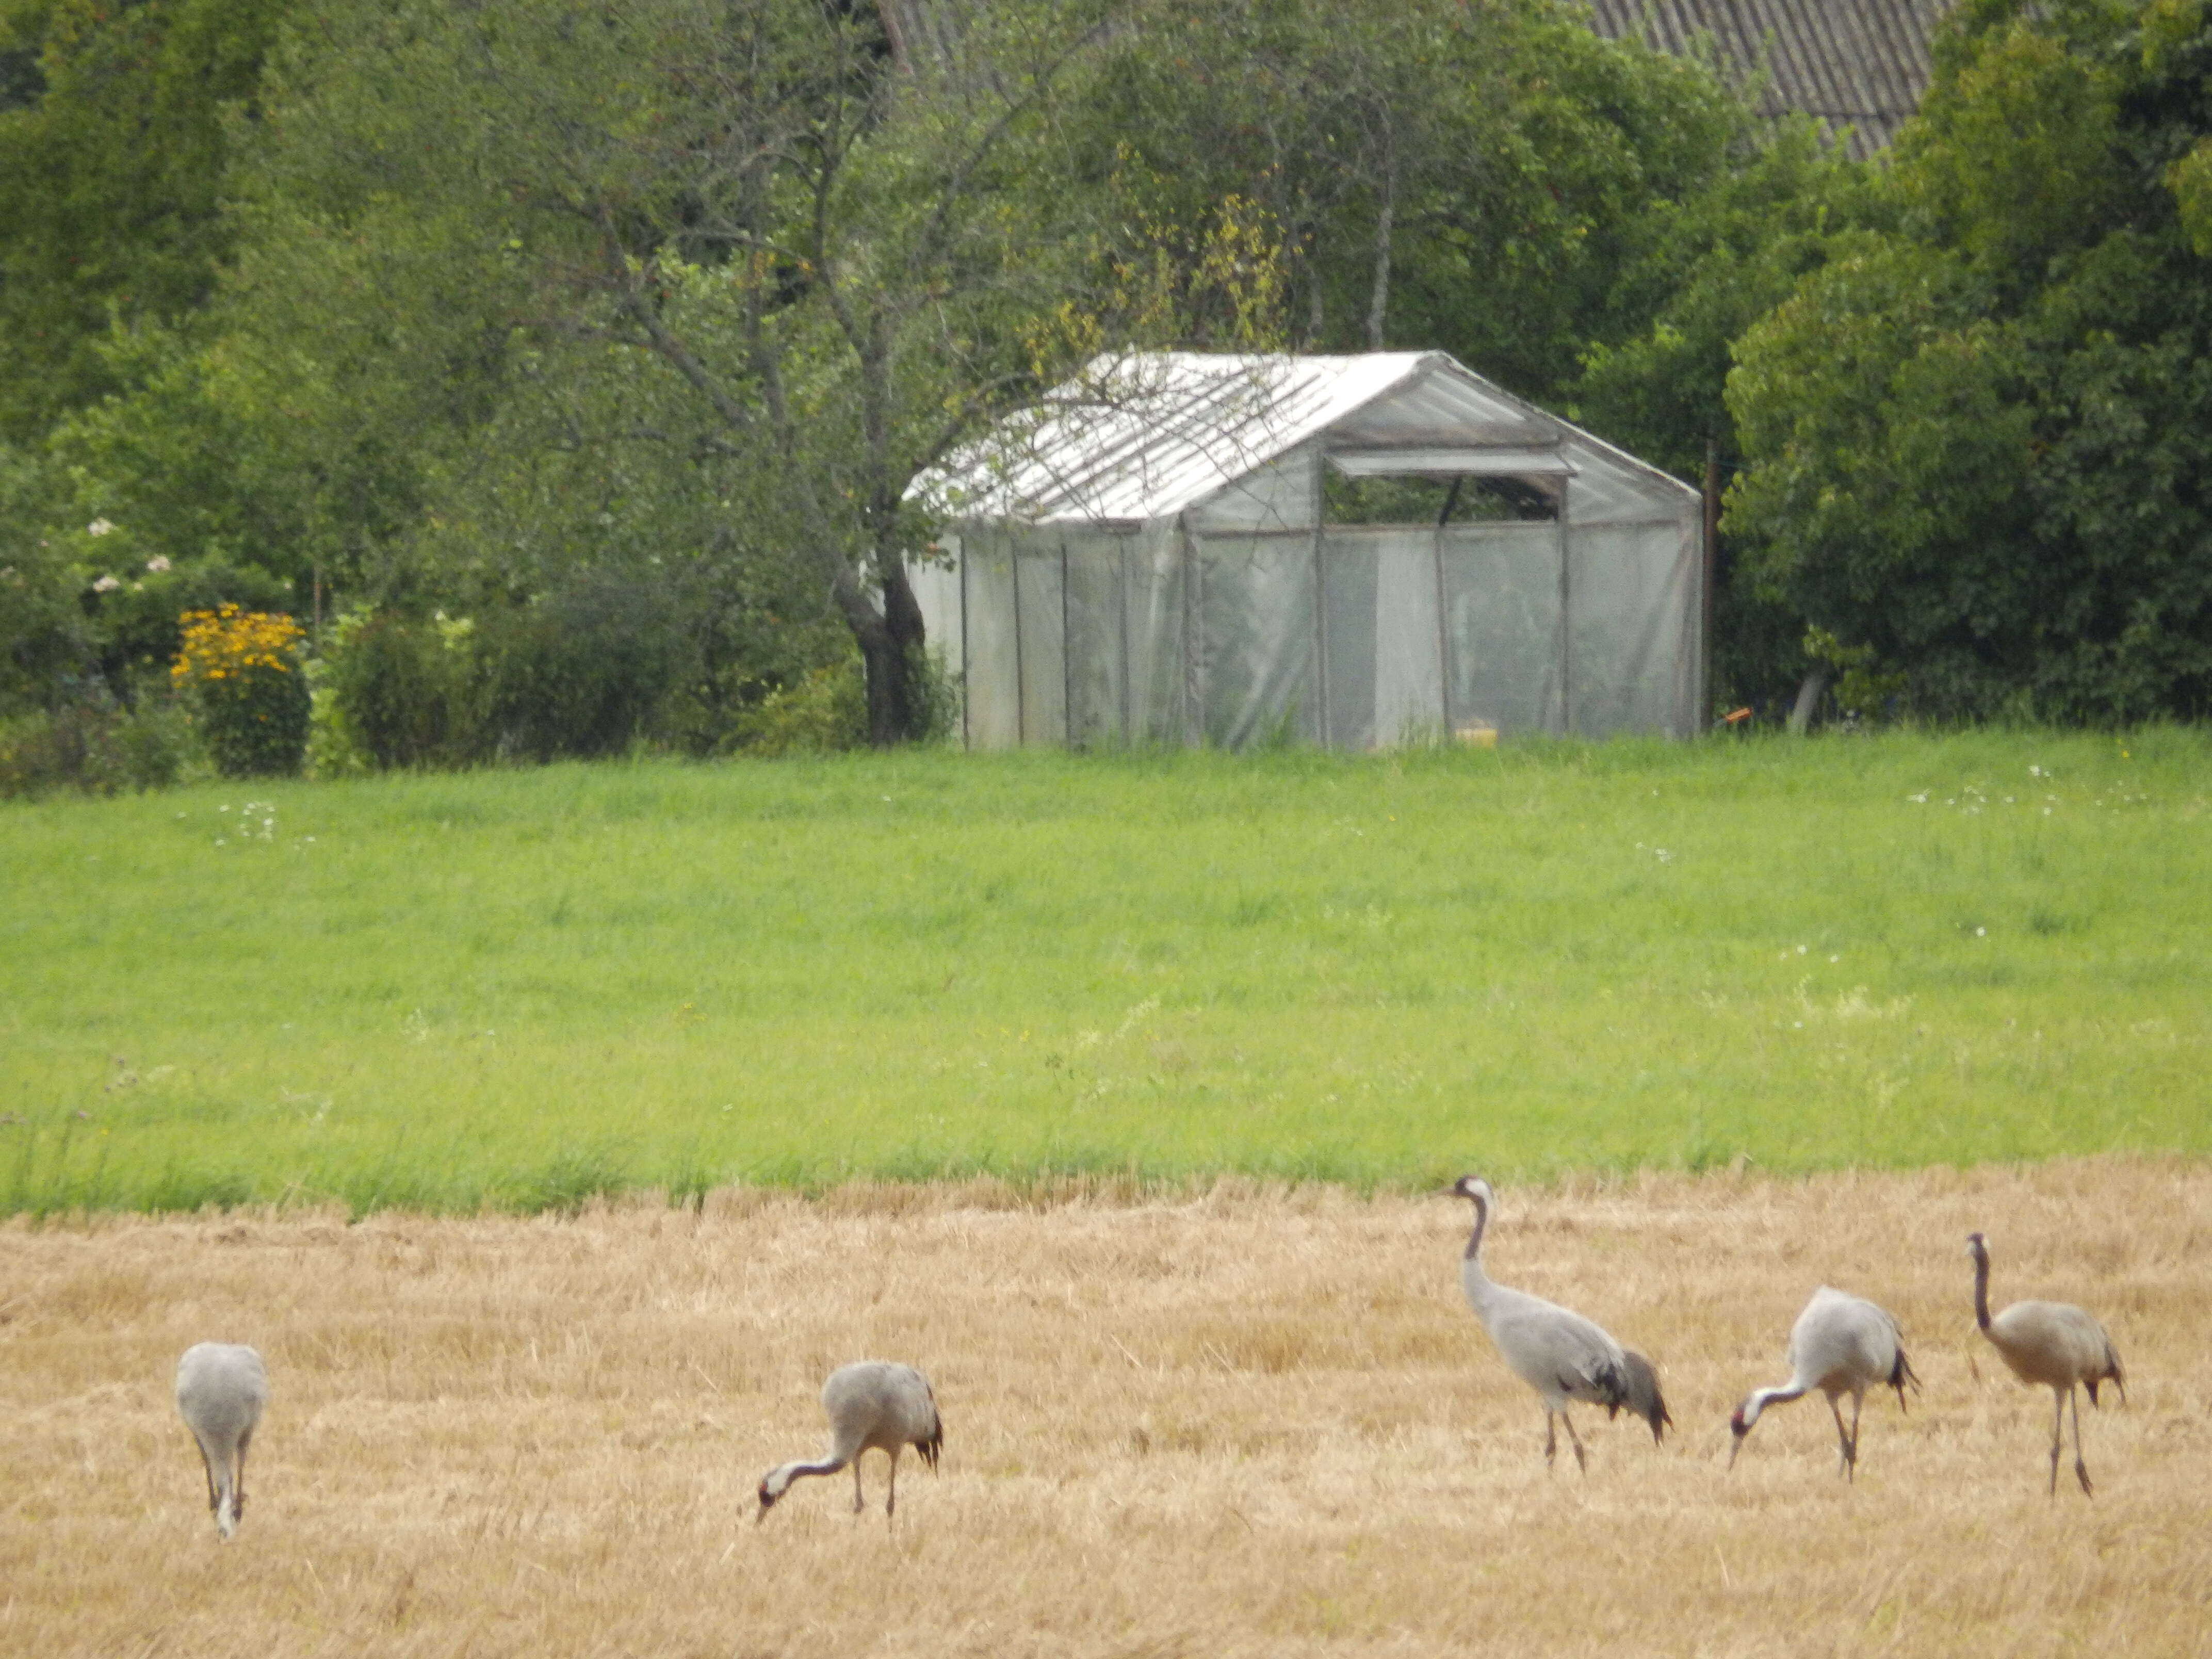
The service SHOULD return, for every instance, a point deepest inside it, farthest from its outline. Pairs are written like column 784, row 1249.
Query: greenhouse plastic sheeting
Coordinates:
column 1358, row 637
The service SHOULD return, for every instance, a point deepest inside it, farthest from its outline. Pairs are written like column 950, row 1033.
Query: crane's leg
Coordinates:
column 891, row 1502
column 859, row 1503
column 2081, row 1469
column 1581, row 1462
column 1857, row 1399
column 238, row 1476
column 1550, row 1436
column 207, row 1467
column 1845, row 1450
column 2058, row 1434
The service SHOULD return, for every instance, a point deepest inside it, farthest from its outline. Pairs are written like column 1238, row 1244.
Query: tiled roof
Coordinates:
column 1856, row 64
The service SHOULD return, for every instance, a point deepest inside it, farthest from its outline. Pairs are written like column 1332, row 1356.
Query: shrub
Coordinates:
column 587, row 670
column 243, row 669
column 826, row 709
column 93, row 747
column 406, row 691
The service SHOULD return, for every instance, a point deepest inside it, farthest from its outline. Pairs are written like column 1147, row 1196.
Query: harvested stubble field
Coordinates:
column 1243, row 1420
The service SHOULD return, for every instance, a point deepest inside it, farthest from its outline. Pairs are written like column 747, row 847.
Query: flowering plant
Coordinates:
column 243, row 669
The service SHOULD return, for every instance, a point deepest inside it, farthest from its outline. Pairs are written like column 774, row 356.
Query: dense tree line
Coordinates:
column 562, row 367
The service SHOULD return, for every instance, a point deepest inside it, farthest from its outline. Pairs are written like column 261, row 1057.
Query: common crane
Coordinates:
column 873, row 1405
column 220, row 1389
column 2052, row 1344
column 1561, row 1355
column 1840, row 1344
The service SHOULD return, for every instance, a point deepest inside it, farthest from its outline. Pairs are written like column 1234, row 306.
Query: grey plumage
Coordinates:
column 1841, row 1345
column 221, row 1388
column 2051, row 1345
column 1561, row 1355
column 873, row 1405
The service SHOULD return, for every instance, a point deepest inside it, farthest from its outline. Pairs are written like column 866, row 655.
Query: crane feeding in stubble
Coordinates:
column 1841, row 1345
column 2052, row 1344
column 873, row 1405
column 1561, row 1355
column 220, row 1389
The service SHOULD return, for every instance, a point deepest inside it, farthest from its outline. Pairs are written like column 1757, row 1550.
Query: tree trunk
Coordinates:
column 1808, row 702
column 891, row 638
column 1378, row 294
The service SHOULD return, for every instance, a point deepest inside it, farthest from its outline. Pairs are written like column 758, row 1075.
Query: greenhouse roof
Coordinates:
column 1143, row 437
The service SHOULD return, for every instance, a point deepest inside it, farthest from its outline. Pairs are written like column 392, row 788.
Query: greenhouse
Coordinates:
column 1354, row 551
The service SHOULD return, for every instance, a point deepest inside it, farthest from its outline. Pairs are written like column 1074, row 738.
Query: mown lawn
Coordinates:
column 517, row 988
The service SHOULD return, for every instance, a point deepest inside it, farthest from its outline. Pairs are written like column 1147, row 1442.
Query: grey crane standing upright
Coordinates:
column 1560, row 1354
column 873, row 1405
column 1841, row 1345
column 2051, row 1345
column 220, row 1389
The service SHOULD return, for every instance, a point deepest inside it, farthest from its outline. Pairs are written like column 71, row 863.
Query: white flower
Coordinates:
column 1920, row 800
column 98, row 527
column 1981, row 933
column 105, row 585
column 158, row 564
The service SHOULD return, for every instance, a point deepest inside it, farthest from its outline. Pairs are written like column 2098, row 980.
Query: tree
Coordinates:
column 1489, row 179
column 823, row 269
column 112, row 148
column 1977, row 441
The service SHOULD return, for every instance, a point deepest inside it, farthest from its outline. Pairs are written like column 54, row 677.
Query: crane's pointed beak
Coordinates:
column 1734, row 1446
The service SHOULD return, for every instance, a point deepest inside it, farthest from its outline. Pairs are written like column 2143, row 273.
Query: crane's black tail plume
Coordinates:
column 1900, row 1374
column 1640, row 1394
column 934, row 1444
column 2111, row 1374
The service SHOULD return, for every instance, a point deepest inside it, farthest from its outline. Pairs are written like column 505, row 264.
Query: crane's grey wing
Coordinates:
column 1556, row 1351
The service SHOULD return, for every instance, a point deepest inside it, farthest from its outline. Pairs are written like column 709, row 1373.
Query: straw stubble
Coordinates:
column 1241, row 1419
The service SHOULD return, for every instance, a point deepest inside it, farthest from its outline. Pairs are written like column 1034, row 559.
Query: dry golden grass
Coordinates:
column 1250, row 1421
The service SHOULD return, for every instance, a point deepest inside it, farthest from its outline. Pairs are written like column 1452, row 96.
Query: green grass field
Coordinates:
column 520, row 989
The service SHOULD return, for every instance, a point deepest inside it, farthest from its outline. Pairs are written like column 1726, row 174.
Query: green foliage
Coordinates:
column 1976, row 435
column 827, row 710
column 96, row 748
column 405, row 693
column 181, row 469
column 112, row 148
column 586, row 671
column 46, row 643
column 519, row 988
column 1488, row 179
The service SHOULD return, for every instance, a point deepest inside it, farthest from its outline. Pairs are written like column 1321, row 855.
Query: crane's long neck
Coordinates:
column 1472, row 1279
column 779, row 1480
column 1982, row 1287
column 1760, row 1399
